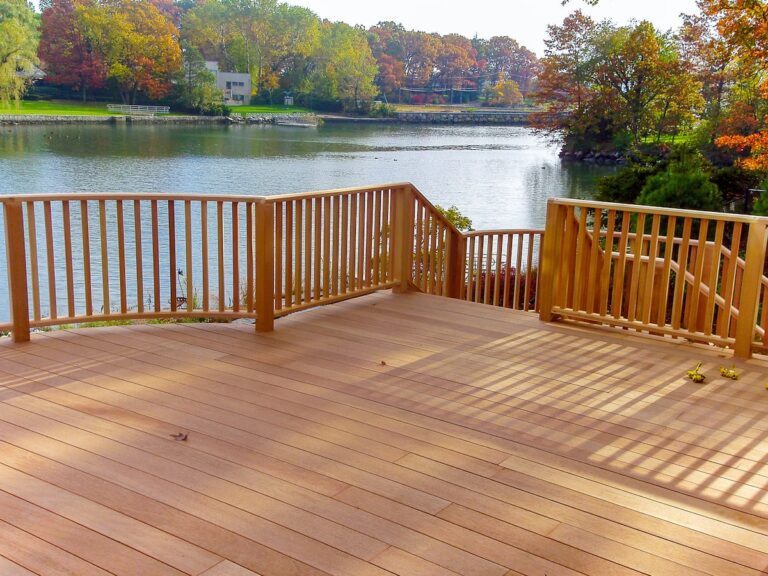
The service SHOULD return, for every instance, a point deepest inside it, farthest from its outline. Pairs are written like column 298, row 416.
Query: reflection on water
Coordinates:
column 499, row 176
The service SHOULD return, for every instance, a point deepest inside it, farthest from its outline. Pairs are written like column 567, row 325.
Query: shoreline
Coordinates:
column 480, row 118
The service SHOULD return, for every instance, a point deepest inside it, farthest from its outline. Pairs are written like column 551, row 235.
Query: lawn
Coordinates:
column 267, row 109
column 59, row 108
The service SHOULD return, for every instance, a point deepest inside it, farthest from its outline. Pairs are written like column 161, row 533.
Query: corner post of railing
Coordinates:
column 456, row 259
column 751, row 286
column 17, row 269
column 551, row 253
column 265, row 266
column 402, row 249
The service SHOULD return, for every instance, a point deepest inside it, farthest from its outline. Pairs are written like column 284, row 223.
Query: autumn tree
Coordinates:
column 744, row 25
column 138, row 44
column 18, row 48
column 68, row 55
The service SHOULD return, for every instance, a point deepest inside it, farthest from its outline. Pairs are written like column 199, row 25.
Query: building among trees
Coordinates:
column 235, row 86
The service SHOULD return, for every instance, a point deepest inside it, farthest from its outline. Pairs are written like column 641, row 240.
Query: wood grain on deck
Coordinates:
column 393, row 434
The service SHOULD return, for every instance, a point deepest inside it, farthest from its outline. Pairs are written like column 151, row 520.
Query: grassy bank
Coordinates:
column 58, row 108
column 267, row 109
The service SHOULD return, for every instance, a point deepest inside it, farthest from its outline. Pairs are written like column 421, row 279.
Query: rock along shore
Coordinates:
column 290, row 119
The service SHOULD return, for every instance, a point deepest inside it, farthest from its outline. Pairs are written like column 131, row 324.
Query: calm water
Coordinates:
column 498, row 176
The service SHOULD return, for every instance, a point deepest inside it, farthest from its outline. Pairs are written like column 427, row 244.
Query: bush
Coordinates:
column 761, row 205
column 625, row 186
column 382, row 110
column 682, row 186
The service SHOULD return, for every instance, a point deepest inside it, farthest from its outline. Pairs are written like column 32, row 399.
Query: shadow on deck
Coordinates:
column 404, row 434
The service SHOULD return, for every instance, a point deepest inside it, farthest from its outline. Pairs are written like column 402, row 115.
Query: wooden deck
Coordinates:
column 404, row 434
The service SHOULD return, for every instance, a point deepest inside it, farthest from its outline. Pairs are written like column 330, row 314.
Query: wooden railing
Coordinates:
column 662, row 271
column 76, row 258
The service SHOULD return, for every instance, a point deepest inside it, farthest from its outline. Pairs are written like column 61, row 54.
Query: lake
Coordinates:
column 499, row 176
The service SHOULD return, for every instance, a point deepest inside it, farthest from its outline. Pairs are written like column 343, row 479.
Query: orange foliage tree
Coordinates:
column 744, row 25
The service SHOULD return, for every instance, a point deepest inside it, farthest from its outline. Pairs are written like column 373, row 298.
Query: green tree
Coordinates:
column 18, row 48
column 684, row 184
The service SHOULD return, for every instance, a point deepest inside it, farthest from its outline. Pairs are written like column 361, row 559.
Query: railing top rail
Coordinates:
column 128, row 196
column 504, row 231
column 744, row 218
column 337, row 192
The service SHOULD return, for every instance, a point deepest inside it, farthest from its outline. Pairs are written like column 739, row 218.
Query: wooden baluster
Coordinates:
column 376, row 250
column 280, row 253
column 220, row 252
column 361, row 242
column 580, row 272
column 695, row 291
column 604, row 287
column 425, row 254
column 471, row 274
column 16, row 260
column 188, row 254
column 317, row 248
column 155, row 255
column 106, row 307
column 204, row 253
column 386, row 247
column 571, row 253
column 528, row 273
column 265, row 266
column 121, row 257
column 85, row 233
column 661, row 319
column 298, row 291
column 751, row 287
column 729, row 283
column 336, row 240
column 352, row 242
column 139, row 256
column 646, row 303
column 621, row 266
column 344, row 260
column 328, row 258
column 67, row 226
column 289, row 235
column 518, row 269
column 370, row 199
column 308, row 248
column 433, row 255
column 235, row 257
column 682, row 263
column 595, row 257
column 441, row 279
column 497, row 272
column 50, row 259
column 488, row 271
column 250, row 239
column 33, row 259
column 637, row 263
column 714, row 273
column 419, row 271
column 172, row 265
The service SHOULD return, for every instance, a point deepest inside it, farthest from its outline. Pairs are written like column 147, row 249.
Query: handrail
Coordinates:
column 657, row 270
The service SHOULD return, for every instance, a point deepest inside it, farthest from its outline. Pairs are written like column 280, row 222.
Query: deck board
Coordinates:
column 392, row 434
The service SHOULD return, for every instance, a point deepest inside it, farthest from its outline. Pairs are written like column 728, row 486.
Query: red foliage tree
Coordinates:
column 67, row 55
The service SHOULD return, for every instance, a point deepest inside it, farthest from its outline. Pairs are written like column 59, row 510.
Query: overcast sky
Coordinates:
column 525, row 21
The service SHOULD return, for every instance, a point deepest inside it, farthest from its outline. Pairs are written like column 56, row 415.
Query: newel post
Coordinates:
column 265, row 266
column 751, row 287
column 456, row 256
column 402, row 248
column 17, row 269
column 550, row 261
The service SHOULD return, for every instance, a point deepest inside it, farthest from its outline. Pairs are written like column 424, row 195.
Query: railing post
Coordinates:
column 265, row 266
column 17, row 269
column 751, row 285
column 550, row 261
column 455, row 259
column 402, row 250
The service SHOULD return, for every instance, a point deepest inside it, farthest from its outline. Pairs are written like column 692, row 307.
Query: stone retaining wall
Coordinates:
column 500, row 118
column 53, row 119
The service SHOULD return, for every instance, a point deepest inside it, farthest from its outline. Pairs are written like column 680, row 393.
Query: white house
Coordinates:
column 235, row 85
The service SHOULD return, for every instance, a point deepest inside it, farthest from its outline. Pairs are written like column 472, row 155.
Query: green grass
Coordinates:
column 683, row 138
column 58, row 108
column 267, row 109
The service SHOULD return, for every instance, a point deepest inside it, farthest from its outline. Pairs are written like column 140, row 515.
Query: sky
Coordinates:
column 525, row 21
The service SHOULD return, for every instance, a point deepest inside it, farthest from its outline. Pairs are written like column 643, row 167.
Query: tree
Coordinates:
column 18, row 48
column 505, row 93
column 137, row 43
column 197, row 85
column 68, row 56
column 744, row 25
column 682, row 185
column 345, row 68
